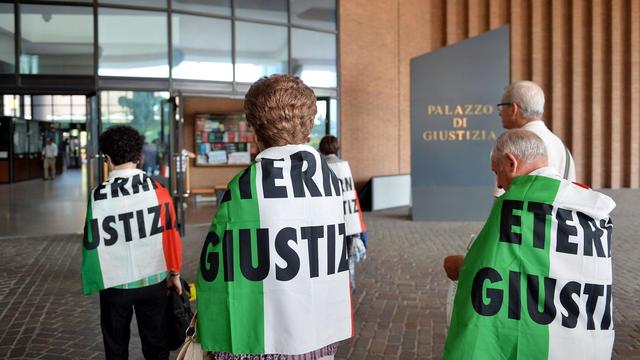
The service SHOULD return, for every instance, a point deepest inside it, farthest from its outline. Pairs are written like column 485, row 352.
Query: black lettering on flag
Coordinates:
column 564, row 231
column 156, row 226
column 592, row 235
column 107, row 226
column 140, row 218
column 607, row 225
column 606, row 317
column 533, row 295
column 95, row 235
column 593, row 292
column 566, row 299
column 508, row 220
column 515, row 291
column 298, row 176
column 97, row 193
column 540, row 212
column 348, row 184
column 260, row 271
column 118, row 184
column 227, row 255
column 331, row 249
column 329, row 178
column 287, row 254
column 344, row 207
column 312, row 234
column 126, row 220
column 244, row 183
column 343, row 265
column 209, row 261
column 269, row 175
column 167, row 216
column 355, row 206
column 494, row 295
column 139, row 181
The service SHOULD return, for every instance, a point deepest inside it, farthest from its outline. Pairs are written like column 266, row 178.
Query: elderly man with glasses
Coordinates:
column 522, row 107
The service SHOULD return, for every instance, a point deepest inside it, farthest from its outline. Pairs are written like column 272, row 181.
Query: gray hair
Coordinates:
column 523, row 144
column 528, row 95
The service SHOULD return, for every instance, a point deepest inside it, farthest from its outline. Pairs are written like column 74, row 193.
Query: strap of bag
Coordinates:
column 191, row 330
column 567, row 162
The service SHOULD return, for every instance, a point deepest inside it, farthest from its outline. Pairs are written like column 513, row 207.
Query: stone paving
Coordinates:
column 399, row 302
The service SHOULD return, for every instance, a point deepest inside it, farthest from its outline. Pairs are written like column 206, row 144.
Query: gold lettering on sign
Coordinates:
column 461, row 116
column 459, row 109
column 459, row 135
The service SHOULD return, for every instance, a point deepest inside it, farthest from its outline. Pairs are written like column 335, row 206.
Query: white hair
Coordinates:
column 528, row 95
column 523, row 144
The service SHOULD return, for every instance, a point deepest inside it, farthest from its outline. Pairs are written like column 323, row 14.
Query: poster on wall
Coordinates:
column 454, row 123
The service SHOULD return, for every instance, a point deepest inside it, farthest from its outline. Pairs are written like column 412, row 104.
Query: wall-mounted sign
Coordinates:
column 454, row 123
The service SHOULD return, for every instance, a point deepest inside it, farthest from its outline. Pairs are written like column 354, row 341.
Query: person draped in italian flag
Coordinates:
column 537, row 281
column 273, row 275
column 131, row 248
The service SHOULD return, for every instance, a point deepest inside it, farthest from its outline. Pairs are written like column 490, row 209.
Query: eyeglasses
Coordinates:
column 504, row 104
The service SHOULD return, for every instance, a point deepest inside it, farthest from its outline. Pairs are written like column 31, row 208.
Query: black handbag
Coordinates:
column 179, row 316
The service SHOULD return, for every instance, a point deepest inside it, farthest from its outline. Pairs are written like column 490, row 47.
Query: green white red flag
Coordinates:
column 354, row 223
column 537, row 281
column 130, row 233
column 273, row 275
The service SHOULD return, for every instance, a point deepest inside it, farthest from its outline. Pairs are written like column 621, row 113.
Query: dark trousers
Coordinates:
column 116, row 311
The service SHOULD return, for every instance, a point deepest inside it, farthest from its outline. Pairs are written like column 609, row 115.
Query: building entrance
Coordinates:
column 74, row 123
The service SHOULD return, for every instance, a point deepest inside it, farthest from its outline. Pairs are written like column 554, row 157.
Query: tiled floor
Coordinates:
column 399, row 301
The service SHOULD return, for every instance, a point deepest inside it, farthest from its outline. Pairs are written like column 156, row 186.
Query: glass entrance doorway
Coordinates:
column 153, row 114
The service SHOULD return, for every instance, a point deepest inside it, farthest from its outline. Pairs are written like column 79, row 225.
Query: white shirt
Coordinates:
column 50, row 151
column 557, row 153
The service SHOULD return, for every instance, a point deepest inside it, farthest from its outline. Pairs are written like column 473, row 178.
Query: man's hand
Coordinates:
column 452, row 265
column 174, row 282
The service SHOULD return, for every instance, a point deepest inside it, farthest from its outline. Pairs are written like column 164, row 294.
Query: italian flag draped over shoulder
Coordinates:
column 536, row 283
column 273, row 275
column 354, row 222
column 130, row 232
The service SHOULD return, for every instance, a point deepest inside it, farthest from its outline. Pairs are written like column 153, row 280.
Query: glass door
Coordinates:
column 177, row 159
column 96, row 172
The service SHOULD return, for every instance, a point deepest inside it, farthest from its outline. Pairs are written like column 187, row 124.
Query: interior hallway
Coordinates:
column 38, row 207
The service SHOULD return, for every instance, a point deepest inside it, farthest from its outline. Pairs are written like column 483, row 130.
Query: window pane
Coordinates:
column 151, row 3
column 272, row 10
column 315, row 13
column 62, row 108
column 260, row 50
column 313, row 57
column 141, row 110
column 201, row 48
column 11, row 105
column 56, row 39
column 73, row 1
column 27, row 107
column 319, row 129
column 220, row 7
column 132, row 43
column 333, row 117
column 42, row 107
column 7, row 35
column 78, row 108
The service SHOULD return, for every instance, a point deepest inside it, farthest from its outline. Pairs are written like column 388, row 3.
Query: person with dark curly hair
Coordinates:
column 132, row 251
column 273, row 281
